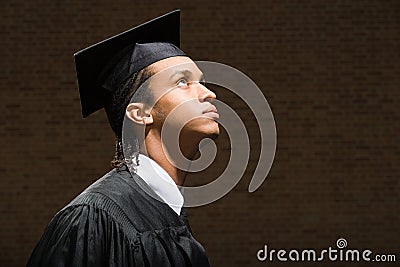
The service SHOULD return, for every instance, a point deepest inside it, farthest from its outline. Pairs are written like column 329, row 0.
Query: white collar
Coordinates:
column 161, row 183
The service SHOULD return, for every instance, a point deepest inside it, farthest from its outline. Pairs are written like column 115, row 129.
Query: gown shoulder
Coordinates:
column 114, row 223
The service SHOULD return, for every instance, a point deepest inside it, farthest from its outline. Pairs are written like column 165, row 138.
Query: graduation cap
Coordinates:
column 103, row 67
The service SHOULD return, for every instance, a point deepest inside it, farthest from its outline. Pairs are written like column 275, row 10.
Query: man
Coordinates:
column 134, row 215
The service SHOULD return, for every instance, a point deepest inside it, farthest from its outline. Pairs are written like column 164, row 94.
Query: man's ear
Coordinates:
column 137, row 113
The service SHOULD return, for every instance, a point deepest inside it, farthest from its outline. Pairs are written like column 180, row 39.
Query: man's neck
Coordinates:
column 156, row 152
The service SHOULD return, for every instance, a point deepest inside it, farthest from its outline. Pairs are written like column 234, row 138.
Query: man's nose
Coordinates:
column 206, row 94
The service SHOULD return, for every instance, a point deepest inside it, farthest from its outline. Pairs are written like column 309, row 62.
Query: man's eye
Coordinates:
column 182, row 83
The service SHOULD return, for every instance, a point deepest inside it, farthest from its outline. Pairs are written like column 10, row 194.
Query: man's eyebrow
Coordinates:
column 184, row 72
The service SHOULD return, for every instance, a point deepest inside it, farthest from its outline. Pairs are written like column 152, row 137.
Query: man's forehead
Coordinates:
column 171, row 65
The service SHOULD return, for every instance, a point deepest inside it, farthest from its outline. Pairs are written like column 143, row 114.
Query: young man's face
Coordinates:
column 183, row 101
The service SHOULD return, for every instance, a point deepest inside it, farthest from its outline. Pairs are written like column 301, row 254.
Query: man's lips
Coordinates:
column 211, row 112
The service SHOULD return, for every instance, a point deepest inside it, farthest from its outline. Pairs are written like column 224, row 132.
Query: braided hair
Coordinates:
column 116, row 107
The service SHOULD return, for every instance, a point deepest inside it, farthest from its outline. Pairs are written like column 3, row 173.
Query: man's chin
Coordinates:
column 215, row 134
column 212, row 134
column 212, row 130
column 203, row 128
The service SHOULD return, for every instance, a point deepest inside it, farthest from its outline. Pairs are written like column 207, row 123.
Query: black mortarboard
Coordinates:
column 103, row 67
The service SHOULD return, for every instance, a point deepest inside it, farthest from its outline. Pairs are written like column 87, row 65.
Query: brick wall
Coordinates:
column 329, row 69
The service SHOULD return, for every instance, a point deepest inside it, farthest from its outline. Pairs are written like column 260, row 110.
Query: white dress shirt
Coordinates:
column 160, row 182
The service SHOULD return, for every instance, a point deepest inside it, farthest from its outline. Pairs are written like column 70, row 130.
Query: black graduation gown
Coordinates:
column 114, row 222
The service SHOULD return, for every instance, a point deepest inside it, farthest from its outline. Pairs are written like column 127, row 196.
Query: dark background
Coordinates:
column 329, row 69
